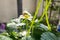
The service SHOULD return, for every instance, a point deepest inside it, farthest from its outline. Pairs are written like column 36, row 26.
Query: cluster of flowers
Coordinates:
column 19, row 27
column 15, row 23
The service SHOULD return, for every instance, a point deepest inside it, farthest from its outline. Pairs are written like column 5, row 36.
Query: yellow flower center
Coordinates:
column 26, row 15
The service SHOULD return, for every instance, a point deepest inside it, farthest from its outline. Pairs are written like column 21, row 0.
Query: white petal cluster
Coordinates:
column 11, row 25
column 23, row 33
column 26, row 15
column 20, row 24
column 17, row 22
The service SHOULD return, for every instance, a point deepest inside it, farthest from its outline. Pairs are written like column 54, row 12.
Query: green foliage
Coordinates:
column 2, row 37
column 27, row 38
column 36, row 29
column 48, row 36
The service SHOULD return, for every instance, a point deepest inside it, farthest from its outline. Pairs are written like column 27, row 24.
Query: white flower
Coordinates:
column 36, row 20
column 29, row 19
column 23, row 33
column 12, row 25
column 20, row 24
column 17, row 20
column 26, row 15
column 26, row 12
column 21, row 16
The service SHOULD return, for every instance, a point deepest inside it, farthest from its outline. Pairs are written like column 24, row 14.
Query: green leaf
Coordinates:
column 4, row 38
column 42, row 26
column 27, row 38
column 58, row 38
column 15, row 34
column 48, row 36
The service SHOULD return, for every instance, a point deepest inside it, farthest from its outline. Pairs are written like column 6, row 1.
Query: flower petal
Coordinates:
column 20, row 24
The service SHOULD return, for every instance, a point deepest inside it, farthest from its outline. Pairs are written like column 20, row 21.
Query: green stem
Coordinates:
column 49, row 28
column 26, row 25
column 36, row 12
column 46, row 8
column 45, row 13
